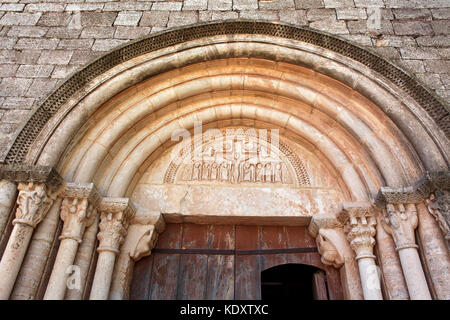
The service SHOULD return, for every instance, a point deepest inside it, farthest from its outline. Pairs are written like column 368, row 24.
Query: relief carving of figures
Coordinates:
column 33, row 203
column 438, row 205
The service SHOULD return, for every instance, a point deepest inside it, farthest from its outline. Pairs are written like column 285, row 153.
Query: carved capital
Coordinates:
column 116, row 213
column 33, row 202
column 360, row 222
column 400, row 221
column 438, row 205
column 77, row 209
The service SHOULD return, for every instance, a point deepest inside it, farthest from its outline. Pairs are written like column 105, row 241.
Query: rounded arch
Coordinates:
column 373, row 123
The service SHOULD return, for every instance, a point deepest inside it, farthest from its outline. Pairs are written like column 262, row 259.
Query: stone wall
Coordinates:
column 42, row 42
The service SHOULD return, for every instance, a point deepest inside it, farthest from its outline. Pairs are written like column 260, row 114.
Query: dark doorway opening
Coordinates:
column 293, row 281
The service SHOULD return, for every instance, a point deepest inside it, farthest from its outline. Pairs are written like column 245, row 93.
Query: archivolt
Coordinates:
column 372, row 122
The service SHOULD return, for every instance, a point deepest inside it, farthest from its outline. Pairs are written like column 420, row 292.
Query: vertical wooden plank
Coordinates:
column 273, row 237
column 220, row 278
column 297, row 237
column 193, row 267
column 140, row 284
column 171, row 238
column 248, row 272
column 165, row 268
column 335, row 291
column 164, row 276
column 319, row 286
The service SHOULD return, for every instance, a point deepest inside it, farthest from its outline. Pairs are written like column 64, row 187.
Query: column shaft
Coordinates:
column 103, row 275
column 414, row 276
column 8, row 191
column 13, row 257
column 435, row 252
column 58, row 280
column 370, row 280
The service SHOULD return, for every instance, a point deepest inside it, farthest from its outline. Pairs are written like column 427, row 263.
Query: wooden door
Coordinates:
column 192, row 261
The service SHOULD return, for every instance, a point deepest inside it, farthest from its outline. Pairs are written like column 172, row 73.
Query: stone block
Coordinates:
column 98, row 32
column 424, row 14
column 128, row 18
column 224, row 15
column 15, row 116
column 127, row 6
column 61, row 72
column 89, row 18
column 154, row 19
column 10, row 87
column 80, row 57
column 107, row 44
column 84, row 7
column 18, row 103
column 55, row 19
column 369, row 3
column 320, row 14
column 245, row 4
column 220, row 4
column 7, row 70
column 276, row 5
column 20, row 19
column 309, row 4
column 7, row 42
column 436, row 41
column 75, row 44
column 195, row 5
column 297, row 17
column 42, row 7
column 55, row 57
column 330, row 25
column 442, row 13
column 437, row 66
column 37, row 43
column 414, row 28
column 259, row 15
column 441, row 27
column 63, row 33
column 180, row 18
column 41, row 88
column 34, row 71
column 338, row 3
column 12, row 7
column 131, row 32
column 419, row 53
column 432, row 81
column 27, row 31
column 351, row 14
column 167, row 6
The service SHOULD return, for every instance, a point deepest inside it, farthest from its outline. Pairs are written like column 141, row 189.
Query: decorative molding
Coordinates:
column 36, row 174
column 36, row 122
column 438, row 180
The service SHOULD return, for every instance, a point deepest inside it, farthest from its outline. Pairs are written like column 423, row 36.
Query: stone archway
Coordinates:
column 349, row 123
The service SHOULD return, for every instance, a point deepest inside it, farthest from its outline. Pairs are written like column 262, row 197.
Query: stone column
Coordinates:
column 360, row 222
column 435, row 252
column 83, row 260
column 76, row 212
column 33, row 202
column 8, row 192
column 400, row 221
column 390, row 265
column 114, row 219
column 139, row 242
column 335, row 251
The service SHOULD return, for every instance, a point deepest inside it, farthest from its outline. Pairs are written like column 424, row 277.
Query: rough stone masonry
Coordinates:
column 42, row 42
